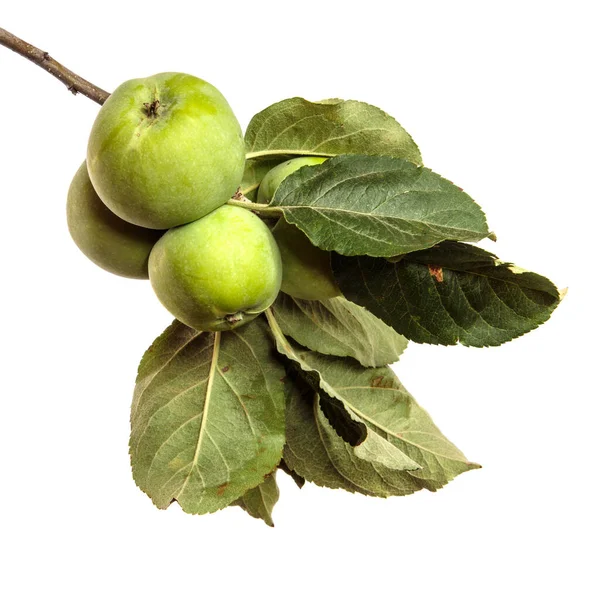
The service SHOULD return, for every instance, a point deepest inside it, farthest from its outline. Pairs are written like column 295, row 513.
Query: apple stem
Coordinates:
column 72, row 81
column 243, row 202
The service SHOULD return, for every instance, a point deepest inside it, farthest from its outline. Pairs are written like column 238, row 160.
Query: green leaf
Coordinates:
column 259, row 501
column 328, row 128
column 299, row 481
column 349, row 428
column 207, row 416
column 378, row 206
column 315, row 451
column 254, row 172
column 339, row 327
column 402, row 450
column 400, row 427
column 448, row 294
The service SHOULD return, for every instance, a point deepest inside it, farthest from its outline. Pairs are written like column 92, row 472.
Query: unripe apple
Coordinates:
column 110, row 242
column 306, row 268
column 273, row 178
column 307, row 273
column 219, row 272
column 165, row 150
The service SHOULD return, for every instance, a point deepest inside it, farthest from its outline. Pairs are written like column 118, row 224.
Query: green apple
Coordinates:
column 165, row 150
column 110, row 242
column 306, row 269
column 307, row 273
column 219, row 272
column 273, row 178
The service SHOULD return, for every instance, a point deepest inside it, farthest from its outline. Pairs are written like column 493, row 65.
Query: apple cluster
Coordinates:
column 165, row 155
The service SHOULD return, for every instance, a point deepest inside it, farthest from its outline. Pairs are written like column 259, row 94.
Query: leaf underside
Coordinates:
column 207, row 416
column 339, row 327
column 259, row 501
column 403, row 452
column 398, row 449
column 296, row 127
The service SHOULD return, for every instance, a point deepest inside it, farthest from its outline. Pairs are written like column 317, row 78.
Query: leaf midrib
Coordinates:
column 375, row 216
column 398, row 435
column 207, row 396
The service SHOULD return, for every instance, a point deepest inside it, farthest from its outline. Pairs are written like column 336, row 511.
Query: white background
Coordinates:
column 497, row 96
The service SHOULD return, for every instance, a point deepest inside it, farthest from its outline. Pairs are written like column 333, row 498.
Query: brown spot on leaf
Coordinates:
column 377, row 381
column 248, row 396
column 436, row 272
column 381, row 381
column 221, row 489
column 225, row 369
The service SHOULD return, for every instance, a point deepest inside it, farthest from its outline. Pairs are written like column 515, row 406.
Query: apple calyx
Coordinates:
column 152, row 108
column 234, row 318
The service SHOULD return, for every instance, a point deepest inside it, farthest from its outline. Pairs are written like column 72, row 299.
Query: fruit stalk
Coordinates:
column 72, row 81
column 243, row 202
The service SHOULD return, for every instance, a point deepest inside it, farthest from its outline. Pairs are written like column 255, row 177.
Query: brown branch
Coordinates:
column 42, row 59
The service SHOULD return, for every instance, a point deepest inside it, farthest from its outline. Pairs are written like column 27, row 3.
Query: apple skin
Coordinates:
column 110, row 242
column 273, row 178
column 219, row 272
column 307, row 273
column 165, row 150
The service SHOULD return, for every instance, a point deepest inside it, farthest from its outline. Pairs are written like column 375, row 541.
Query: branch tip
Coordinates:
column 73, row 82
